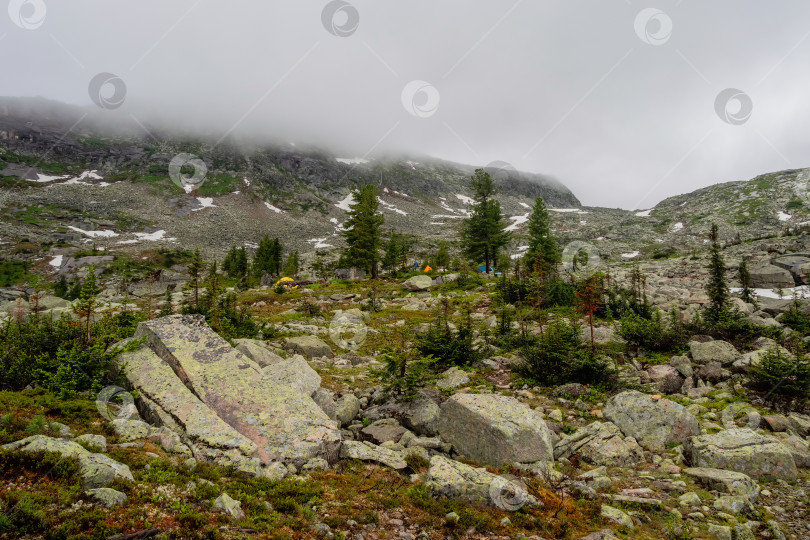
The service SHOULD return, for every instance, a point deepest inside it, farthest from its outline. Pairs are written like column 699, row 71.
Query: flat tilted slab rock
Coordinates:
column 731, row 482
column 155, row 380
column 742, row 450
column 284, row 423
column 495, row 429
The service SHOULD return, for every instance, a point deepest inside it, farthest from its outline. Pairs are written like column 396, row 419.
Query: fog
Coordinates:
column 622, row 103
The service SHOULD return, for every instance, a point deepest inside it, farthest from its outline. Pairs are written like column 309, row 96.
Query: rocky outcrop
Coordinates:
column 652, row 422
column 97, row 470
column 495, row 429
column 600, row 443
column 221, row 402
column 742, row 450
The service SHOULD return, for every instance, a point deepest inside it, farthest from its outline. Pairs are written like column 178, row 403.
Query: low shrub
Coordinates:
column 558, row 357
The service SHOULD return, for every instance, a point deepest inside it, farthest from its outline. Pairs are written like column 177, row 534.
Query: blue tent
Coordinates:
column 483, row 268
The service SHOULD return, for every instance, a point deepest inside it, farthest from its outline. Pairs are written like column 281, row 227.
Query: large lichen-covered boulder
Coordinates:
column 742, row 450
column 97, row 470
column 284, row 423
column 451, row 479
column 713, row 351
column 768, row 276
column 600, row 443
column 165, row 400
column 417, row 283
column 495, row 429
column 309, row 346
column 731, row 482
column 652, row 422
column 294, row 372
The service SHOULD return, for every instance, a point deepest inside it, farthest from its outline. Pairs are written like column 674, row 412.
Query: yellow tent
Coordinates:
column 284, row 280
column 428, row 268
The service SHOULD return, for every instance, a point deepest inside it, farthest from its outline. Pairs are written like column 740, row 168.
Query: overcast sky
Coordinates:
column 618, row 99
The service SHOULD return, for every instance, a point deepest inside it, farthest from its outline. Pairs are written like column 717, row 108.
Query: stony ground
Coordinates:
column 680, row 452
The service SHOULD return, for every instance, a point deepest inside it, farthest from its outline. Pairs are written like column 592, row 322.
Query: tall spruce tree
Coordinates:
column 391, row 258
column 87, row 303
column 442, row 256
column 195, row 269
column 543, row 248
column 484, row 232
column 745, row 282
column 717, row 287
column 363, row 231
column 267, row 259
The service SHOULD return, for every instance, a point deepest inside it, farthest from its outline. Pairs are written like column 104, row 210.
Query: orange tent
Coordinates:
column 428, row 268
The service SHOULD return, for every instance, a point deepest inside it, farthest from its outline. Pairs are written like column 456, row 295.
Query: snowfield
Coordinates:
column 346, row 202
column 94, row 234
column 273, row 208
column 518, row 221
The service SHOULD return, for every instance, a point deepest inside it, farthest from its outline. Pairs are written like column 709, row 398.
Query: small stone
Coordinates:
column 97, row 443
column 617, row 516
column 742, row 532
column 689, row 499
column 452, row 516
column 107, row 497
column 230, row 506
column 720, row 532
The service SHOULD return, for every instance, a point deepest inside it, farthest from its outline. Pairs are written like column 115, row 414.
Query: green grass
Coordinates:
column 218, row 185
column 13, row 272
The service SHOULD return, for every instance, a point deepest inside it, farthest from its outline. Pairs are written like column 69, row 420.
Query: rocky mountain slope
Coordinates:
column 68, row 161
column 68, row 175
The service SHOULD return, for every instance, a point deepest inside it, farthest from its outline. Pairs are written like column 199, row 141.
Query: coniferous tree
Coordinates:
column 484, row 232
column 229, row 262
column 291, row 266
column 543, row 248
column 195, row 269
column 717, row 287
column 589, row 301
column 267, row 259
column 241, row 265
column 391, row 259
column 442, row 256
column 212, row 298
column 362, row 233
column 745, row 282
column 87, row 303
